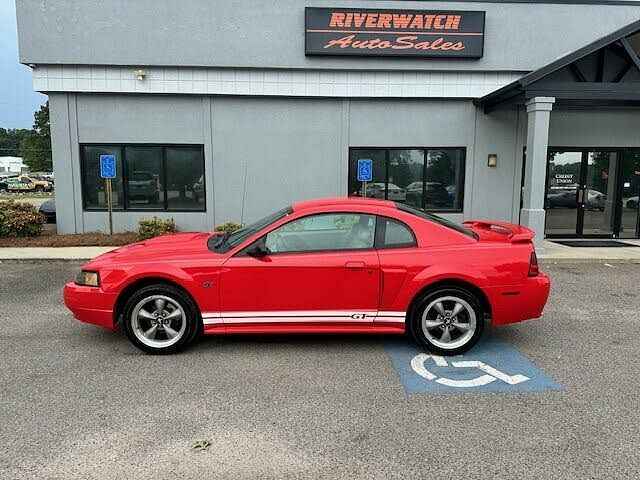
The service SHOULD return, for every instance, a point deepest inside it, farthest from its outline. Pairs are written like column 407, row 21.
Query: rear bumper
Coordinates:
column 90, row 304
column 511, row 304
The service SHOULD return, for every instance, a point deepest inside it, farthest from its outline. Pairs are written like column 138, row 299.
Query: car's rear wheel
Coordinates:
column 447, row 321
column 161, row 319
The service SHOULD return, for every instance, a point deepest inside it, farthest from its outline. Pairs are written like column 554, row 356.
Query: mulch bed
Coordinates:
column 93, row 239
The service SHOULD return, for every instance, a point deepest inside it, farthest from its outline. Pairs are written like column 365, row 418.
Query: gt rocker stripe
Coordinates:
column 297, row 316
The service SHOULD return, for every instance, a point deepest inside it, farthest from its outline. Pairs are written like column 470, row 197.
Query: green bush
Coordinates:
column 228, row 227
column 19, row 219
column 154, row 227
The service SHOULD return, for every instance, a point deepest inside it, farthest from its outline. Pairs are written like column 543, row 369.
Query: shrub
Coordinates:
column 155, row 226
column 228, row 227
column 19, row 219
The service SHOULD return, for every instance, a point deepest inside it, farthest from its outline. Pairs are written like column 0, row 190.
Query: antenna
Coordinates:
column 244, row 193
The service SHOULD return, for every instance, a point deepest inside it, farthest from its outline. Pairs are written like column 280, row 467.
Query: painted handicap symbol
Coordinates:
column 491, row 374
column 491, row 365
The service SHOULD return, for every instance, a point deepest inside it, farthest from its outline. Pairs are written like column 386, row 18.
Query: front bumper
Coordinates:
column 90, row 304
column 511, row 304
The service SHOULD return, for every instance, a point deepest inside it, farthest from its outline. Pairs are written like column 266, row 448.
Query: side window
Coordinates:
column 396, row 235
column 328, row 231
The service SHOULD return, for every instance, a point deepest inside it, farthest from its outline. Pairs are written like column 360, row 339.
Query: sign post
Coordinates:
column 108, row 171
column 365, row 173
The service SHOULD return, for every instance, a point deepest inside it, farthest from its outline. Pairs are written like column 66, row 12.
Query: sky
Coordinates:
column 18, row 101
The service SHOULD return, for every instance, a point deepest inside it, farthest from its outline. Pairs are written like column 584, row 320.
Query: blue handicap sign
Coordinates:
column 365, row 170
column 490, row 366
column 108, row 166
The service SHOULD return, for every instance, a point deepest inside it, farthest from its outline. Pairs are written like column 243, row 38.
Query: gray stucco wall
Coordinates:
column 250, row 33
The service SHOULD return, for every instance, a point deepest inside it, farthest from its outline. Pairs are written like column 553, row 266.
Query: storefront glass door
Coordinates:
column 581, row 193
column 630, row 189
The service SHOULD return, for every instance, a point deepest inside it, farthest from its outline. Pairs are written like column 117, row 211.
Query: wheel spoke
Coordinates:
column 171, row 333
column 462, row 326
column 151, row 333
column 432, row 323
column 177, row 313
column 446, row 335
column 160, row 303
column 142, row 313
column 457, row 309
column 439, row 308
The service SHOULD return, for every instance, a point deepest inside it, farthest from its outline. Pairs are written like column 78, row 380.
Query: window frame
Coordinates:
column 263, row 238
column 425, row 150
column 381, row 230
column 163, row 165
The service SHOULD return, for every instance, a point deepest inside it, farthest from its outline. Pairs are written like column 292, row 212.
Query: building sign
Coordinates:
column 564, row 178
column 396, row 33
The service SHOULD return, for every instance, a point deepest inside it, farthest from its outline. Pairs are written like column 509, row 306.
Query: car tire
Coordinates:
column 161, row 319
column 39, row 189
column 429, row 322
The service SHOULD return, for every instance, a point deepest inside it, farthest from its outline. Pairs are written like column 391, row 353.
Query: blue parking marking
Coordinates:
column 490, row 366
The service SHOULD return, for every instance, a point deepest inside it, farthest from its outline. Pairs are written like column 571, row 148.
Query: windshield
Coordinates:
column 226, row 242
column 435, row 218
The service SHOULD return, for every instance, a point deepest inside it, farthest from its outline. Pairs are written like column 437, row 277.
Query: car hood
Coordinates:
column 165, row 248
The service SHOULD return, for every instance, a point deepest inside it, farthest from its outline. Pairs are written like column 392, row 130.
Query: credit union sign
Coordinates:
column 396, row 33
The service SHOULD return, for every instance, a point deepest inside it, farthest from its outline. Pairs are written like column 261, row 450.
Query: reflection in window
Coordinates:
column 93, row 186
column 430, row 179
column 144, row 182
column 154, row 178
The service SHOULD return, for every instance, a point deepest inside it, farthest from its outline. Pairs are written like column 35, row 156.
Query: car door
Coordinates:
column 318, row 269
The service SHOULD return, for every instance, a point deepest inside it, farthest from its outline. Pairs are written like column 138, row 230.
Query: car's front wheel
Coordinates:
column 161, row 319
column 447, row 321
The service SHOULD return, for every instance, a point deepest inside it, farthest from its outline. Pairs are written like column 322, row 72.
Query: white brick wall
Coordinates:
column 232, row 81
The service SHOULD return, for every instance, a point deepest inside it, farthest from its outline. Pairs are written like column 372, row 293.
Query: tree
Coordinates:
column 35, row 147
column 10, row 141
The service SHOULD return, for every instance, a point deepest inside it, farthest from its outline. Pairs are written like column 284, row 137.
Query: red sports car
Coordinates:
column 334, row 265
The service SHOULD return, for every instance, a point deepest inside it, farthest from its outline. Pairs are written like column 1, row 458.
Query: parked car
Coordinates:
column 21, row 185
column 143, row 186
column 632, row 202
column 39, row 185
column 289, row 273
column 48, row 209
column 435, row 194
column 378, row 189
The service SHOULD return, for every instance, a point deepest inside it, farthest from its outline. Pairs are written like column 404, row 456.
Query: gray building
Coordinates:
column 217, row 111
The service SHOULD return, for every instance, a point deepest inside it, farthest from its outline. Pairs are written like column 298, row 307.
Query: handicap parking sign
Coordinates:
column 490, row 366
column 365, row 170
column 108, row 166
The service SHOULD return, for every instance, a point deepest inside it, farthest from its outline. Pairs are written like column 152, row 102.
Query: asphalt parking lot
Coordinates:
column 80, row 402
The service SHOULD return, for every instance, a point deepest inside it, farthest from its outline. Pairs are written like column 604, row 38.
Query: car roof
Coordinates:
column 347, row 202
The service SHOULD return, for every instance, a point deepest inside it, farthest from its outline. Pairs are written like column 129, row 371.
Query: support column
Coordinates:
column 532, row 214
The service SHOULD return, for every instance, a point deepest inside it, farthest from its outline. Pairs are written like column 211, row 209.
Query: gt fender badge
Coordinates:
column 207, row 284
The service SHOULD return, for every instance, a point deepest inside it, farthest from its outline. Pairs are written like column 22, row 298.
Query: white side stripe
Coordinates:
column 299, row 316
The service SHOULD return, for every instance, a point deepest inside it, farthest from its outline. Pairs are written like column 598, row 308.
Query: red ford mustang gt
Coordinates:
column 332, row 265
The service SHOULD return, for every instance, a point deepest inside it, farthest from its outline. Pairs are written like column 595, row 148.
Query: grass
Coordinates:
column 92, row 239
column 25, row 196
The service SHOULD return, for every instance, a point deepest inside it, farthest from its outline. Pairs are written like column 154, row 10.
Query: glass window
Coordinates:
column 144, row 178
column 93, row 186
column 397, row 234
column 444, row 173
column 185, row 178
column 406, row 176
column 152, row 177
column 333, row 231
column 430, row 179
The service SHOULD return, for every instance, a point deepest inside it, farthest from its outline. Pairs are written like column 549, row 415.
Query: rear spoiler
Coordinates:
column 516, row 233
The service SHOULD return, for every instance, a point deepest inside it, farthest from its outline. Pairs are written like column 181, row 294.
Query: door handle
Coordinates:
column 354, row 265
column 581, row 196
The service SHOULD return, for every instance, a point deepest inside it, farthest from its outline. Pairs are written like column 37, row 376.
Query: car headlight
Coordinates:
column 88, row 279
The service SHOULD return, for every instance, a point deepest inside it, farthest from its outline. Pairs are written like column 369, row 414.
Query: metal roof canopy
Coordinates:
column 603, row 73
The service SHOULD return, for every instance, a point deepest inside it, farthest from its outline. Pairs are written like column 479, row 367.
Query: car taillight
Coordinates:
column 533, row 265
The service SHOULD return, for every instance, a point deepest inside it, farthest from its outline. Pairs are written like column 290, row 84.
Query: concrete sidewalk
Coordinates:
column 554, row 253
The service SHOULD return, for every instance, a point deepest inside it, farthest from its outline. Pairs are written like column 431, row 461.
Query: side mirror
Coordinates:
column 258, row 249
